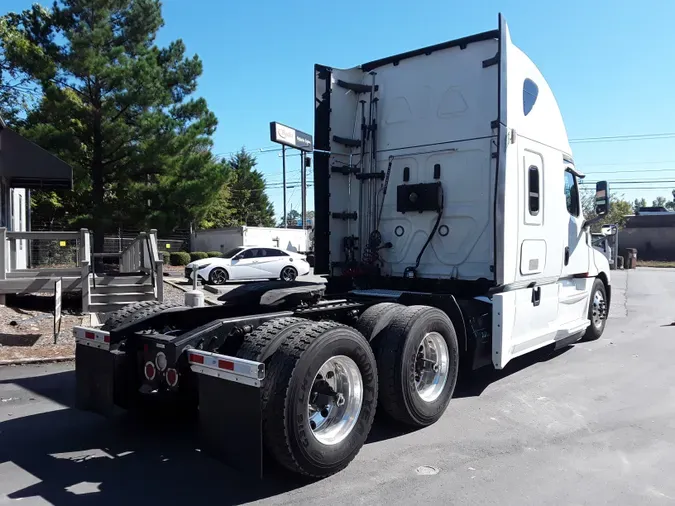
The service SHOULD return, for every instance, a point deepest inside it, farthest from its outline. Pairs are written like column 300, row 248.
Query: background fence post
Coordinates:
column 3, row 252
column 85, row 261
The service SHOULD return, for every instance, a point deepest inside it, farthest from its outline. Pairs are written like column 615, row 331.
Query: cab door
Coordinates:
column 243, row 265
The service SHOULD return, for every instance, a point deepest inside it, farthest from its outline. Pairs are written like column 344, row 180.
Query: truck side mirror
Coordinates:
column 601, row 198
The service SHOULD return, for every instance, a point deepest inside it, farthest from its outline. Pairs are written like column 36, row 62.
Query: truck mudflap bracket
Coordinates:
column 230, row 409
column 101, row 374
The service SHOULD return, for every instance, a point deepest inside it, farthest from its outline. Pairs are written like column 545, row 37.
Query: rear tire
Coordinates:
column 376, row 318
column 413, row 390
column 146, row 312
column 290, row 417
column 118, row 317
column 261, row 344
column 597, row 312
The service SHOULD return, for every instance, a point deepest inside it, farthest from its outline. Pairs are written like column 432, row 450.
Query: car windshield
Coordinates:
column 232, row 252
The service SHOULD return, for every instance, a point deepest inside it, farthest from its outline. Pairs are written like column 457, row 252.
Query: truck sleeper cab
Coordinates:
column 448, row 221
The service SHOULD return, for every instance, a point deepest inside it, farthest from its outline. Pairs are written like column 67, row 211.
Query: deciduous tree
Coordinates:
column 619, row 208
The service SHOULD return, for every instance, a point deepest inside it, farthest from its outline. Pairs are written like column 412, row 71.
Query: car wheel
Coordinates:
column 289, row 274
column 218, row 276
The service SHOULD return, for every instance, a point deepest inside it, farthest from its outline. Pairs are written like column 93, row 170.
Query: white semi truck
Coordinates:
column 450, row 228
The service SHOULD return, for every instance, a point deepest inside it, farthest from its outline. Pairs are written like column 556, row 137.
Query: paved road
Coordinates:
column 593, row 425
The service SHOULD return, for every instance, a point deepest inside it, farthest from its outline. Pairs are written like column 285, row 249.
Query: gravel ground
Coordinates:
column 33, row 336
column 173, row 294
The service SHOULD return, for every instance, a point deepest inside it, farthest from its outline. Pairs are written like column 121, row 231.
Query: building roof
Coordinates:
column 24, row 164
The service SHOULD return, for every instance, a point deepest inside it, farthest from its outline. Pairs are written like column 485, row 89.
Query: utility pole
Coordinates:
column 303, row 183
column 284, row 221
column 287, row 136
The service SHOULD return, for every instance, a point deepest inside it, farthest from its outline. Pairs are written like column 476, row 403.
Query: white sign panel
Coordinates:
column 57, row 309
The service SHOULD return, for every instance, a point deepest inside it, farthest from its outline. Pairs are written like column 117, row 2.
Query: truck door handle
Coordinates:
column 536, row 296
column 567, row 255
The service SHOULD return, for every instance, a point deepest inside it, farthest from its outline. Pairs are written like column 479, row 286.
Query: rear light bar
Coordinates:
column 225, row 367
column 91, row 337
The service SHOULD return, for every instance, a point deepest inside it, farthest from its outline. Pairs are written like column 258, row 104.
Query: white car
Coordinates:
column 249, row 263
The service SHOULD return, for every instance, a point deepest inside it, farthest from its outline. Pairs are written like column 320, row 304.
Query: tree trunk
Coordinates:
column 97, row 206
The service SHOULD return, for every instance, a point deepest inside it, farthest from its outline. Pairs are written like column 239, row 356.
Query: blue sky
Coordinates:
column 609, row 63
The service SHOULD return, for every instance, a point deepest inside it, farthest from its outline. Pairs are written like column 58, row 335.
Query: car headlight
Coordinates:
column 202, row 267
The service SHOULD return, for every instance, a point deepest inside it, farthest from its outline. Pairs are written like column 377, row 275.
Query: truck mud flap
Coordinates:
column 101, row 375
column 230, row 409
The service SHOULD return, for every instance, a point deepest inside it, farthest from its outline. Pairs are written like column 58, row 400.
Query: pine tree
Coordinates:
column 250, row 205
column 118, row 109
column 16, row 93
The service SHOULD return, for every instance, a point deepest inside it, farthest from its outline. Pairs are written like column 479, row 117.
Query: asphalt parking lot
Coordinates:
column 592, row 424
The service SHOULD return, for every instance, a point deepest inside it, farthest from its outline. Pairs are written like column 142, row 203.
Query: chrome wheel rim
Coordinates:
column 599, row 309
column 219, row 276
column 288, row 274
column 432, row 364
column 335, row 400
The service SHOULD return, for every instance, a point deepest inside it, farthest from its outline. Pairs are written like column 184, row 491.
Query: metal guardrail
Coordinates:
column 9, row 251
column 142, row 255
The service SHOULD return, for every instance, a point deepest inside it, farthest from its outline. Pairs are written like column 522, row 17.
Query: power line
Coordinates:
column 616, row 164
column 640, row 188
column 672, row 169
column 617, row 138
column 627, row 181
column 607, row 138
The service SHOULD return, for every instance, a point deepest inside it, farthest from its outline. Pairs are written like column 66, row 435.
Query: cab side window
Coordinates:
column 533, row 190
column 571, row 193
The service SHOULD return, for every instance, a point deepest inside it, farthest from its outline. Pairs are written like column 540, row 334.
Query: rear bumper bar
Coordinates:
column 230, row 409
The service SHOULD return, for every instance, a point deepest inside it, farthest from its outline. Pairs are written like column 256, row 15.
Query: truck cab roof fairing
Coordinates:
column 541, row 120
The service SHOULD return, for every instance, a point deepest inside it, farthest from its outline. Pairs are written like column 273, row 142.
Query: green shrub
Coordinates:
column 179, row 258
column 166, row 256
column 197, row 255
column 214, row 254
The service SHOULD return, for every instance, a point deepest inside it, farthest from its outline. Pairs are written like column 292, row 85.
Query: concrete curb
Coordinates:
column 209, row 288
column 184, row 289
column 27, row 361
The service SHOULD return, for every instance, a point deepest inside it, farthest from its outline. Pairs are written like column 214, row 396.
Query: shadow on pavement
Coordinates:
column 474, row 383
column 81, row 458
column 23, row 340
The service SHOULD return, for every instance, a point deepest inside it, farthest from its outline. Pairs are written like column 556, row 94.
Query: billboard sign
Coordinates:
column 282, row 134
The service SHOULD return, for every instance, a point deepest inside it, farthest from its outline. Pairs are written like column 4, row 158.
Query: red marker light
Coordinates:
column 197, row 359
column 172, row 377
column 150, row 371
column 226, row 364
